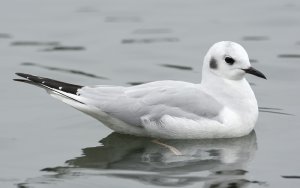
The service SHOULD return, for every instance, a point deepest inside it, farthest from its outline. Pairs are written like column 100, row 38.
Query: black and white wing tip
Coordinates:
column 48, row 83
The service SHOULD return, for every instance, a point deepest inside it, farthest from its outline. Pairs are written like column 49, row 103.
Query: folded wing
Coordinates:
column 152, row 101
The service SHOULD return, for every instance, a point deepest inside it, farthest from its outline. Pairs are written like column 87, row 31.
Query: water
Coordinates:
column 44, row 143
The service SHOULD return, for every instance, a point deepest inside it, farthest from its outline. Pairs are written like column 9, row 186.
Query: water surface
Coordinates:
column 44, row 143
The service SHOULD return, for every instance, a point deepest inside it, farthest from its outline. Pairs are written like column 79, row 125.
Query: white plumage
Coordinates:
column 223, row 105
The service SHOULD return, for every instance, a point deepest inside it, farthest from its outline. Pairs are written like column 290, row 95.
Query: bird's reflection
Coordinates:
column 214, row 162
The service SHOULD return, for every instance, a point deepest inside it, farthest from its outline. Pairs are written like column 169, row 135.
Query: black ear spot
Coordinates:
column 213, row 63
column 229, row 60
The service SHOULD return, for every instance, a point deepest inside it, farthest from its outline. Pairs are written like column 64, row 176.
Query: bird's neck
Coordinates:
column 235, row 93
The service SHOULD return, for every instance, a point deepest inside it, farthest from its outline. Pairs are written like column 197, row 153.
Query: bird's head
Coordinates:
column 229, row 60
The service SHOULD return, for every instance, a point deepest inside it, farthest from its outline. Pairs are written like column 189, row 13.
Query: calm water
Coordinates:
column 45, row 143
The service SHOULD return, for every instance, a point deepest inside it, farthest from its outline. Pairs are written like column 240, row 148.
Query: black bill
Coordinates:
column 255, row 72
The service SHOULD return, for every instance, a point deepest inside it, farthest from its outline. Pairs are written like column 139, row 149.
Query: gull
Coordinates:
column 223, row 105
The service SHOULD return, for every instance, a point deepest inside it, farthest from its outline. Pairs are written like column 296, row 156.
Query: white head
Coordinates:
column 228, row 60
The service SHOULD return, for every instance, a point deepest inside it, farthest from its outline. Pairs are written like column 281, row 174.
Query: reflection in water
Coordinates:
column 63, row 70
column 213, row 162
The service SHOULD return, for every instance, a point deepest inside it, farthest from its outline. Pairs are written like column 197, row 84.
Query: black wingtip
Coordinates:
column 23, row 75
column 20, row 74
column 24, row 81
column 19, row 80
column 49, row 83
column 28, row 77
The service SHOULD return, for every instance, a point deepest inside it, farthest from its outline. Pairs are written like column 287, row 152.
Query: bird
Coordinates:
column 222, row 105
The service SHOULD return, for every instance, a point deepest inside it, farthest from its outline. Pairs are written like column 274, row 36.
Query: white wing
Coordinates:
column 152, row 101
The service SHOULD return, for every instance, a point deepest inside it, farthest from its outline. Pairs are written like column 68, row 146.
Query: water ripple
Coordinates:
column 274, row 111
column 149, row 40
column 291, row 177
column 255, row 38
column 289, row 55
column 34, row 43
column 63, row 70
column 180, row 67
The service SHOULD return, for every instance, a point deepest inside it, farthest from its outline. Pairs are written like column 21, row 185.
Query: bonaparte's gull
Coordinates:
column 222, row 106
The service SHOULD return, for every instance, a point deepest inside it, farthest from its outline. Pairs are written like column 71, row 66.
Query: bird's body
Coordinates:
column 221, row 106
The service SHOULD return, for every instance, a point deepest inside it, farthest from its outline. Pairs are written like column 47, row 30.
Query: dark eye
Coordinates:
column 229, row 60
